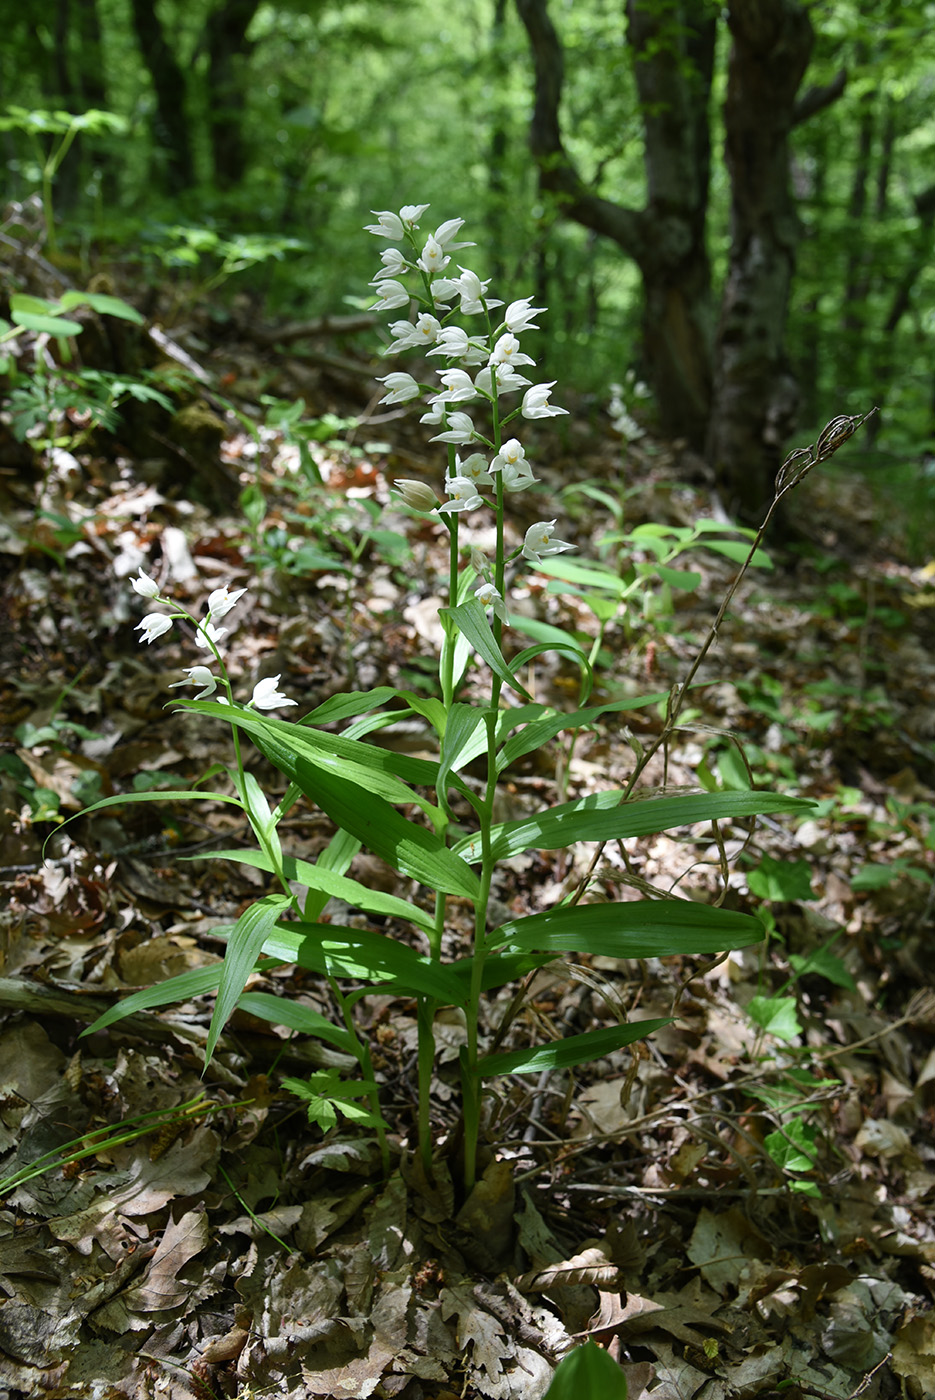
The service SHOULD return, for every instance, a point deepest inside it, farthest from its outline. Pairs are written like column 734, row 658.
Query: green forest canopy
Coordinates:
column 735, row 201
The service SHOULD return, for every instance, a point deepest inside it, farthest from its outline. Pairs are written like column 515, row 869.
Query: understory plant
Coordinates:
column 434, row 819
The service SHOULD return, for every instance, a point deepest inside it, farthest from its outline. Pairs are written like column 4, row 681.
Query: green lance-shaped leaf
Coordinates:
column 573, row 1050
column 408, row 848
column 603, row 817
column 498, row 970
column 283, row 1011
column 471, row 620
column 364, row 956
column 465, row 738
column 641, row 929
column 196, row 983
column 532, row 736
column 567, row 647
column 282, row 742
column 348, row 705
column 247, row 938
column 318, row 877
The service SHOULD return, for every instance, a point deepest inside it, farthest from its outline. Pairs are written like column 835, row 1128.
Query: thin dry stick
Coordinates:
column 796, row 466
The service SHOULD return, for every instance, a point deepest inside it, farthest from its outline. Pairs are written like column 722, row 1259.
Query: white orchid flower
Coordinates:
column 452, row 342
column 519, row 477
column 394, row 264
column 536, row 402
column 208, row 633
column 511, row 454
column 153, row 626
column 390, row 294
column 401, row 388
column 539, row 542
column 433, row 259
column 507, row 379
column 492, row 598
column 473, row 292
column 198, row 675
column 436, row 412
column 519, row 314
column 507, row 351
column 447, row 231
column 443, row 289
column 222, row 600
column 455, row 344
column 390, row 225
column 410, row 214
column 459, row 387
column 474, row 468
column 394, row 225
column 460, row 430
column 463, row 494
column 266, row 697
column 144, row 585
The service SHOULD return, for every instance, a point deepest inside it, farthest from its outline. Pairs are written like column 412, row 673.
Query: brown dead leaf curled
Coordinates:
column 591, row 1267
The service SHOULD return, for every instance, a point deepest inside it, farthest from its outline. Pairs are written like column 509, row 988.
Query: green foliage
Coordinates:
column 399, row 807
column 325, row 1096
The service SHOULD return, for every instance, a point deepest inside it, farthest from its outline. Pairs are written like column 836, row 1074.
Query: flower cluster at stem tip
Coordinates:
column 266, row 695
column 478, row 368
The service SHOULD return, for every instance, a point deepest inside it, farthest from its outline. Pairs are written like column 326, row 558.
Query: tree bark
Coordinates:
column 228, row 50
column 673, row 48
column 170, row 124
column 755, row 396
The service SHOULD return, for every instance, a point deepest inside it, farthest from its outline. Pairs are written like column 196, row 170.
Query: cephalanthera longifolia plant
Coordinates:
column 450, row 848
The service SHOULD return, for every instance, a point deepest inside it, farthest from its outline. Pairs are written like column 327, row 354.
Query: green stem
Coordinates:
column 470, row 1078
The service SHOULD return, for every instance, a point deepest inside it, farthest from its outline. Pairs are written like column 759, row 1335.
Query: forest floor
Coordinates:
column 733, row 1210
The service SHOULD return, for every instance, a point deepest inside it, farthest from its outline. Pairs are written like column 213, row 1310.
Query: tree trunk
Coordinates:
column 673, row 47
column 756, row 395
column 228, row 51
column 170, row 124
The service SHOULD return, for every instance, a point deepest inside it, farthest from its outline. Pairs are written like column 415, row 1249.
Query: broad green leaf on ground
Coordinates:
column 823, row 963
column 573, row 1050
column 603, row 817
column 775, row 1015
column 639, row 929
column 781, row 879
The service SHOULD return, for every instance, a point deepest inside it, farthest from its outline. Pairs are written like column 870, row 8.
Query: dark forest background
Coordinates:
column 734, row 202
